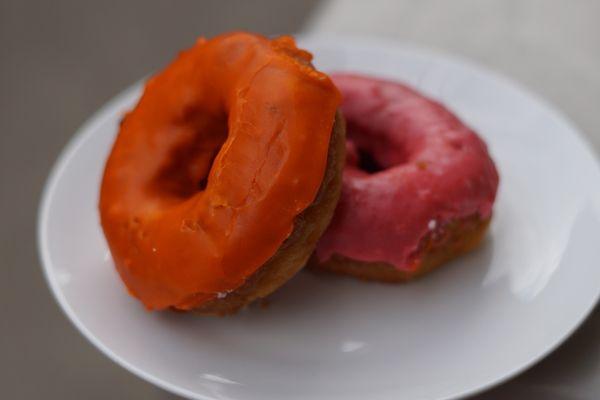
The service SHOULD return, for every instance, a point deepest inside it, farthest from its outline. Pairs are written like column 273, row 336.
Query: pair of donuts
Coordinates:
column 223, row 179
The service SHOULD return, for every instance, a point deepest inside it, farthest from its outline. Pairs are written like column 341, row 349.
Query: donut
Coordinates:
column 207, row 201
column 418, row 185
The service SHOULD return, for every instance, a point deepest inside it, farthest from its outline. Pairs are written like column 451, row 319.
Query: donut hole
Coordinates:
column 367, row 162
column 371, row 152
column 187, row 165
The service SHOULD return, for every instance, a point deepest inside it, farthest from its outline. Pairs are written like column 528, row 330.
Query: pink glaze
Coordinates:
column 433, row 169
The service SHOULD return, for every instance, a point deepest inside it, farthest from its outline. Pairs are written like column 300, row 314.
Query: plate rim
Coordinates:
column 89, row 126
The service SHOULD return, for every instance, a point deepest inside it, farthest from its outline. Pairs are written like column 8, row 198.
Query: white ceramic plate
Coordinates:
column 464, row 328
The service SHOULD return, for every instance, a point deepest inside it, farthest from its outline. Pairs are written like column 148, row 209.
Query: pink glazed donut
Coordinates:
column 418, row 185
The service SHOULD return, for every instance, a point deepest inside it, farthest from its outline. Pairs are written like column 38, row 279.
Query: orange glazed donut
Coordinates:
column 208, row 200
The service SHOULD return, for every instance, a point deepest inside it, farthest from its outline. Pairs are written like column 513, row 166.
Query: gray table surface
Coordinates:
column 61, row 60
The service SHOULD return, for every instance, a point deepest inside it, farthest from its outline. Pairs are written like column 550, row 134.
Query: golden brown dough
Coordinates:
column 458, row 237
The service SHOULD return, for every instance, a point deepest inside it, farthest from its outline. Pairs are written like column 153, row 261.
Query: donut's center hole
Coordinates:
column 368, row 163
column 187, row 165
column 371, row 151
column 202, row 182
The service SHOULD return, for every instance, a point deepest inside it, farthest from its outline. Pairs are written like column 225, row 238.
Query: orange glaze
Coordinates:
column 225, row 148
